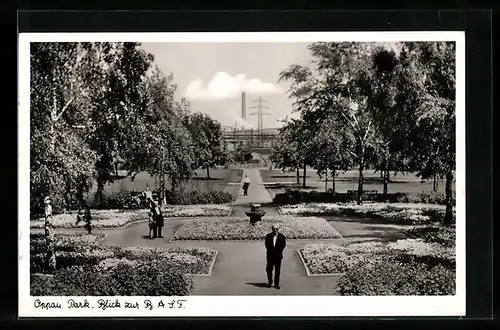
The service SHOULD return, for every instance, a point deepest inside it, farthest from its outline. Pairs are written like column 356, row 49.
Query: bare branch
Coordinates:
column 353, row 153
column 367, row 130
column 64, row 109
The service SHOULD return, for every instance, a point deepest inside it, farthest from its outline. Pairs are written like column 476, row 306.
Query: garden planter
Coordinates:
column 255, row 214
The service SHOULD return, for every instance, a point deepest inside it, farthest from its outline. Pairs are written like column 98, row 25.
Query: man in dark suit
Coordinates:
column 275, row 244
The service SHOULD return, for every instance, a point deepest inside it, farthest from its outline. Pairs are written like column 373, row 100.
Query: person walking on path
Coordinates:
column 275, row 243
column 246, row 184
column 88, row 220
column 152, row 221
column 86, row 217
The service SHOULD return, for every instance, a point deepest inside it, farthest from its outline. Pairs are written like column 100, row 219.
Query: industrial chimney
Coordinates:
column 243, row 106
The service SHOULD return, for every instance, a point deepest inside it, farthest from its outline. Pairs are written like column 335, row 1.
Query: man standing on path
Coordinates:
column 275, row 244
column 246, row 184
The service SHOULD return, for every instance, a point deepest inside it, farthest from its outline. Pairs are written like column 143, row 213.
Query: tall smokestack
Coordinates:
column 243, row 106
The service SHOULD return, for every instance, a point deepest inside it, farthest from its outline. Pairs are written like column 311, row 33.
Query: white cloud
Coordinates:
column 225, row 86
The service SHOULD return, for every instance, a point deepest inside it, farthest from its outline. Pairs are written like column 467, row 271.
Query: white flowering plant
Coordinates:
column 234, row 228
column 119, row 218
column 83, row 250
column 404, row 213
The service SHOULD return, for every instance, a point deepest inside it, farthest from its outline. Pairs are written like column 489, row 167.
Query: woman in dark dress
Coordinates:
column 157, row 216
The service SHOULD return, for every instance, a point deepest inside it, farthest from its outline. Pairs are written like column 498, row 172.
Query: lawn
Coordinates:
column 277, row 181
column 85, row 268
column 219, row 179
column 240, row 229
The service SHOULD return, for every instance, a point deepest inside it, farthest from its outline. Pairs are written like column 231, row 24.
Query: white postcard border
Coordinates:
column 242, row 305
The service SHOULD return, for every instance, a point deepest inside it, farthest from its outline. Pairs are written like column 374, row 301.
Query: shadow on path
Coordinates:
column 259, row 285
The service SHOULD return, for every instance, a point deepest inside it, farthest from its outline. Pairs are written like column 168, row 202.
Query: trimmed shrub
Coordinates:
column 196, row 197
column 297, row 196
column 427, row 197
column 445, row 236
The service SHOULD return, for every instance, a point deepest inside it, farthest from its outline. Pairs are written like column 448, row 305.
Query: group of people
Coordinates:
column 86, row 217
column 156, row 220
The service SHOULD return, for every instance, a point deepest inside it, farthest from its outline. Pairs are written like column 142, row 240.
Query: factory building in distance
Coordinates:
column 256, row 140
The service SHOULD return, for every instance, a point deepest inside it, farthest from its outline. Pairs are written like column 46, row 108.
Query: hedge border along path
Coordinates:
column 115, row 219
column 239, row 229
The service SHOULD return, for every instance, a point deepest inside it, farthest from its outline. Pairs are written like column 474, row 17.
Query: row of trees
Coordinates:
column 96, row 104
column 392, row 108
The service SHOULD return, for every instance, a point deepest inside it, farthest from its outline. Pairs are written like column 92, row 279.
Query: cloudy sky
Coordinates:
column 212, row 76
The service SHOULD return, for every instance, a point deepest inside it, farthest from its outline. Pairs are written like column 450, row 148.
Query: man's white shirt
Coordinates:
column 274, row 239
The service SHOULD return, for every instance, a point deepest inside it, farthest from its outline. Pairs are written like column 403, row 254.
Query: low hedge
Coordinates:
column 426, row 197
column 298, row 196
column 130, row 200
column 153, row 278
column 197, row 197
column 443, row 235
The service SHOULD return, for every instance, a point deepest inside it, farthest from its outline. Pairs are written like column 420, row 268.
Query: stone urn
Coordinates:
column 255, row 213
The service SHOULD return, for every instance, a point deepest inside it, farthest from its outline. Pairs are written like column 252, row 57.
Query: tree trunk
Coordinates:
column 208, row 172
column 53, row 118
column 333, row 180
column 386, row 181
column 448, row 217
column 326, row 180
column 305, row 173
column 360, row 179
column 50, row 257
column 99, row 194
column 172, row 180
column 434, row 184
column 298, row 174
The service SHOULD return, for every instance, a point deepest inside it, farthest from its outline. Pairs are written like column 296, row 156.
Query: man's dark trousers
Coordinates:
column 276, row 264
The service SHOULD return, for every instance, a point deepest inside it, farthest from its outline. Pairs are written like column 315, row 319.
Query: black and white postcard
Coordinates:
column 242, row 174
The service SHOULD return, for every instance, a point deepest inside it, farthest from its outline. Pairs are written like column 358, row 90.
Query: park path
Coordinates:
column 240, row 265
column 257, row 193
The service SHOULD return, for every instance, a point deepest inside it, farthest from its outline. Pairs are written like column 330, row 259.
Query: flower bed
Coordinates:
column 118, row 218
column 81, row 249
column 208, row 210
column 336, row 259
column 240, row 229
column 397, row 213
column 85, row 268
column 406, row 267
